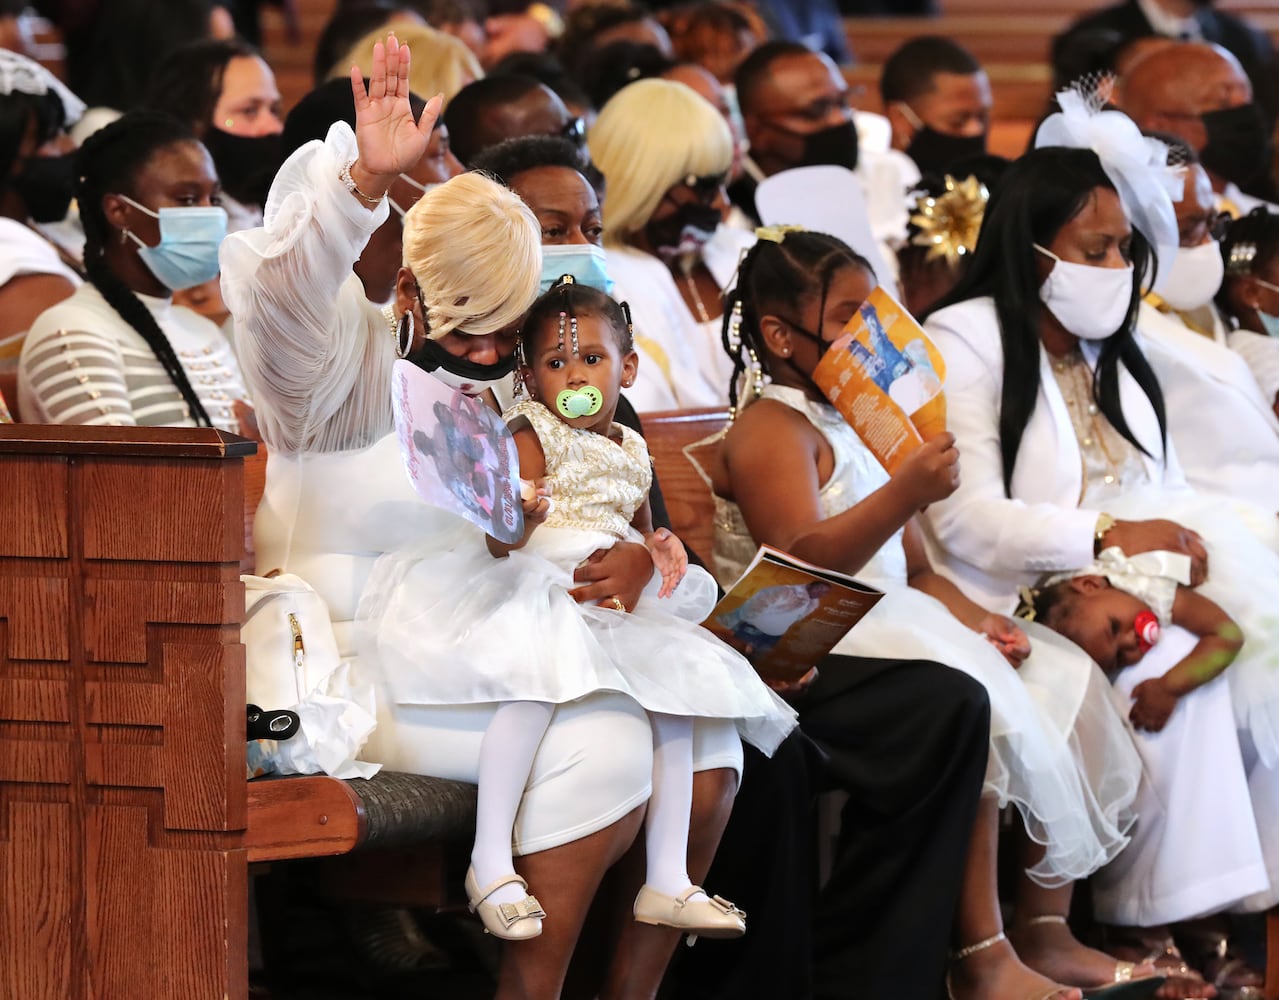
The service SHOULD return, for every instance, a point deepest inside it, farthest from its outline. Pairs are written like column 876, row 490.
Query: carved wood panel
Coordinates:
column 122, row 792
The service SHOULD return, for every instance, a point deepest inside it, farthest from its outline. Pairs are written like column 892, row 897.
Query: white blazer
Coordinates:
column 991, row 544
column 1225, row 432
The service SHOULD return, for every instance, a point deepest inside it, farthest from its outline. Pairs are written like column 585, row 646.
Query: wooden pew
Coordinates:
column 126, row 823
column 688, row 498
column 9, row 391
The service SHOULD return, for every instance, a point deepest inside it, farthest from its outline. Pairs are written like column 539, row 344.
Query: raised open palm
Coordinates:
column 390, row 141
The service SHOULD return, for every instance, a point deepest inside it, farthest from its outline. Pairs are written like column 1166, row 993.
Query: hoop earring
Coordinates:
column 404, row 335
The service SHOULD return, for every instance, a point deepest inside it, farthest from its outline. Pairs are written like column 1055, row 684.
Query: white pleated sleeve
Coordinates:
column 316, row 354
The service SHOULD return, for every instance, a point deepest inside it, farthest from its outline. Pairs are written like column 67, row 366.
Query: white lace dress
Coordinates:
column 455, row 625
column 1058, row 750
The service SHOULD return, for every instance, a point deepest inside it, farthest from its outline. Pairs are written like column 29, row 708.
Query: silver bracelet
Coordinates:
column 349, row 183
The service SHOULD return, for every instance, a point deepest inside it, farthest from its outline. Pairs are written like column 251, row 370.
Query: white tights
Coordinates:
column 506, row 758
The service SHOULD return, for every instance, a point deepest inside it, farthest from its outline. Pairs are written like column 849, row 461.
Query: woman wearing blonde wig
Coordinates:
column 319, row 358
column 665, row 152
column 444, row 64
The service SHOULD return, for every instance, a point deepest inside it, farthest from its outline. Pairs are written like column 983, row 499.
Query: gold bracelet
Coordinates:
column 349, row 183
column 1104, row 523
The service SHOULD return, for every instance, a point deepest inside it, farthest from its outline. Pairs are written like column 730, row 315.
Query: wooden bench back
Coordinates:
column 688, row 498
column 122, row 793
column 9, row 392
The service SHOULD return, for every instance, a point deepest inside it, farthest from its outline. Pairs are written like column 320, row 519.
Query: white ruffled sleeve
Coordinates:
column 316, row 353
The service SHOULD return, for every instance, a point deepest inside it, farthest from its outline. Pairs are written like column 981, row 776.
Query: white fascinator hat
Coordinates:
column 1136, row 164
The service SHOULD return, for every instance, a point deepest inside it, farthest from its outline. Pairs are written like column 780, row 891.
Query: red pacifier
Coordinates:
column 1147, row 628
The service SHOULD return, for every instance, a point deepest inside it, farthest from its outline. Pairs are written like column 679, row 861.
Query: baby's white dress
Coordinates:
column 454, row 625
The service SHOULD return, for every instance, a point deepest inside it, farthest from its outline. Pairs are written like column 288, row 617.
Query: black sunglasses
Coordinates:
column 705, row 188
column 575, row 130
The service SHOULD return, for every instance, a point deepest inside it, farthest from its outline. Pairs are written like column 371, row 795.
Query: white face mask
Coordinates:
column 1194, row 277
column 1090, row 302
column 424, row 188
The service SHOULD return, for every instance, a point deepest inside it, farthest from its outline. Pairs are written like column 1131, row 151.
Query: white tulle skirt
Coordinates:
column 1059, row 750
column 453, row 626
column 1243, row 578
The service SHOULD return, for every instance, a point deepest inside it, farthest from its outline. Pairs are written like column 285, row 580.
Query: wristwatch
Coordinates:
column 1104, row 523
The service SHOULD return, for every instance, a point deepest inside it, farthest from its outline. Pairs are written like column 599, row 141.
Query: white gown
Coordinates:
column 990, row 542
column 453, row 625
column 317, row 356
column 1058, row 749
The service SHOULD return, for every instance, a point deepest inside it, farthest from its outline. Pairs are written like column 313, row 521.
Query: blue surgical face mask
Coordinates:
column 1268, row 323
column 587, row 263
column 187, row 254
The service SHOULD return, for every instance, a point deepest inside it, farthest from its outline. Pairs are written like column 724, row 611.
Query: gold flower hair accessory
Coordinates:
column 775, row 234
column 948, row 224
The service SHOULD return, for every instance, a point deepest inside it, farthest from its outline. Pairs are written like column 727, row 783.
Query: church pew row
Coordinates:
column 997, row 37
column 127, row 828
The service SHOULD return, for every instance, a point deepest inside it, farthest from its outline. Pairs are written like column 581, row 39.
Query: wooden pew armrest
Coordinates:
column 303, row 816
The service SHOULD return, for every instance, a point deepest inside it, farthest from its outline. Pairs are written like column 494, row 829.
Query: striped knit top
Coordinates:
column 82, row 363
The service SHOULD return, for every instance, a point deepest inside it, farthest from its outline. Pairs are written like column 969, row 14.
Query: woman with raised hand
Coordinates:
column 319, row 356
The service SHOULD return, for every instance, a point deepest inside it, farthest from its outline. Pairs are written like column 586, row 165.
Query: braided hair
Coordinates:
column 575, row 300
column 107, row 163
column 1250, row 245
column 778, row 274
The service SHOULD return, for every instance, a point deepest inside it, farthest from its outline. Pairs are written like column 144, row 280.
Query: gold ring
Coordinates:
column 616, row 603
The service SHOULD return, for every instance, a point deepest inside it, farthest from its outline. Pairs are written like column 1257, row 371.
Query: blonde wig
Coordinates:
column 476, row 251
column 649, row 137
column 441, row 64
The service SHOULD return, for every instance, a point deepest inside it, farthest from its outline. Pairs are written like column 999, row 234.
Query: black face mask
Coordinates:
column 835, row 146
column 46, row 186
column 1238, row 146
column 936, row 152
column 685, row 232
column 246, row 164
column 463, row 375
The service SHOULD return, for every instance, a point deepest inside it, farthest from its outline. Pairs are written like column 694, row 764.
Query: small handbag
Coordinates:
column 292, row 662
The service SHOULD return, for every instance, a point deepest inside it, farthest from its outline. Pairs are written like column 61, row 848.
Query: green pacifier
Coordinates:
column 584, row 402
